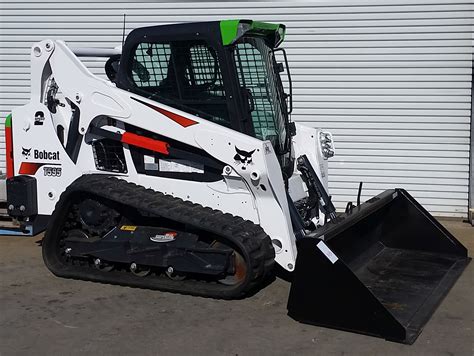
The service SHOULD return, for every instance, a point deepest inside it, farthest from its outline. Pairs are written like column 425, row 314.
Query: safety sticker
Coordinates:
column 128, row 228
column 327, row 252
column 150, row 164
column 180, row 166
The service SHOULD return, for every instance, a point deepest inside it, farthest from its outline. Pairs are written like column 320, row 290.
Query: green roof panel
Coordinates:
column 232, row 30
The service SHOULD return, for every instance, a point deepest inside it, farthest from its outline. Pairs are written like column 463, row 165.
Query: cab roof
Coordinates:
column 228, row 31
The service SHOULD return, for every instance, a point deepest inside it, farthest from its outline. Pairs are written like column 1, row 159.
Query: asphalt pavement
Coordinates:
column 41, row 314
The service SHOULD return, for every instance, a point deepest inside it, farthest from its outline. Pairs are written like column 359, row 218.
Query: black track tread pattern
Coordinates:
column 254, row 243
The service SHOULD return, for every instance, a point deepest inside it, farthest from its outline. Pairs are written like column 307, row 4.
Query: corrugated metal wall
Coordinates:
column 391, row 79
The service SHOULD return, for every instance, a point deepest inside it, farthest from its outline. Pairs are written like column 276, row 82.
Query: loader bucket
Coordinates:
column 381, row 270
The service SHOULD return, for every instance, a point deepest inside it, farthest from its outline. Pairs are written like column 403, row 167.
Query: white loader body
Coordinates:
column 254, row 191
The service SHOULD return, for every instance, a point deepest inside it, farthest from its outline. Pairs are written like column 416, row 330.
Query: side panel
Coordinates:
column 40, row 157
column 263, row 178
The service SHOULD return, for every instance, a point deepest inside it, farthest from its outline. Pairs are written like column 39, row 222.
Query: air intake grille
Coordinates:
column 109, row 156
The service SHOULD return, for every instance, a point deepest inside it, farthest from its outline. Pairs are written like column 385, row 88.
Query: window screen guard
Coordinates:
column 182, row 74
column 256, row 73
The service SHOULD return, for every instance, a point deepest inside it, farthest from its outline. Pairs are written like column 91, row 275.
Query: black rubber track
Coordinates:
column 250, row 239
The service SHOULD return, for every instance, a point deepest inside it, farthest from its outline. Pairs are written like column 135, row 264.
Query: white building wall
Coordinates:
column 390, row 78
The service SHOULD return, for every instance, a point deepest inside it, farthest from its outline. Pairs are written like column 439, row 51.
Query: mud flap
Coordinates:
column 381, row 270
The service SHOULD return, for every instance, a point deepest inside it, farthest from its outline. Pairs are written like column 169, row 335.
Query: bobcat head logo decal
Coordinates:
column 243, row 157
column 26, row 152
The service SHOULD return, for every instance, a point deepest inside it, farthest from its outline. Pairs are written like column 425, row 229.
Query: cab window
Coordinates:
column 182, row 74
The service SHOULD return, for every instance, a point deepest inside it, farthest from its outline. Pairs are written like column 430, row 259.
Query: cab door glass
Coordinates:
column 256, row 74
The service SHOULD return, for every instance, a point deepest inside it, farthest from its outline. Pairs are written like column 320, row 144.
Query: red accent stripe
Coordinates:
column 145, row 142
column 9, row 151
column 29, row 168
column 183, row 121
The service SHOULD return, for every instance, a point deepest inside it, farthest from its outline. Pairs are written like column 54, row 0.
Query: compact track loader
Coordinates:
column 182, row 172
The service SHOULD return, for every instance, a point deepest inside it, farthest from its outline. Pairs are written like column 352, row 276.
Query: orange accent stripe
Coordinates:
column 9, row 151
column 29, row 168
column 145, row 142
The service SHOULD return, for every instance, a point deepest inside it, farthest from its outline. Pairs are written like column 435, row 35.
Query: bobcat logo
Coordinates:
column 26, row 152
column 243, row 157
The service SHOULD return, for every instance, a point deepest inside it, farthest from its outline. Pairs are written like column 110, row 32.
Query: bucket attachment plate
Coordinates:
column 381, row 270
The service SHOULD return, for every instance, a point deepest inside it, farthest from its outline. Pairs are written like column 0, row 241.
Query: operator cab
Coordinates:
column 222, row 71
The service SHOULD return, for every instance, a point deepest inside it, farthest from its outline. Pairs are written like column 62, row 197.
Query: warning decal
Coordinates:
column 327, row 252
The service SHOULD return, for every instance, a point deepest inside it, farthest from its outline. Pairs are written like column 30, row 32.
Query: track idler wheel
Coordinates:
column 103, row 266
column 174, row 275
column 139, row 271
column 240, row 271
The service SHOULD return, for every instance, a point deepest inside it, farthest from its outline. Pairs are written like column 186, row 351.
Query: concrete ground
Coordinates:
column 44, row 315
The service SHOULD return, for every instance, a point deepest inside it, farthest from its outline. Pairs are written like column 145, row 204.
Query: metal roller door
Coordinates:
column 391, row 79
